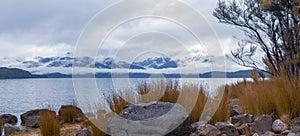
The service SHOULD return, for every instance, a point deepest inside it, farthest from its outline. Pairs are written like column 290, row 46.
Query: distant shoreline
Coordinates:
column 14, row 73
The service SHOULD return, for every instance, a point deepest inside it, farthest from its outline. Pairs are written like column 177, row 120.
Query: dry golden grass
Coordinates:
column 192, row 98
column 277, row 95
column 1, row 125
column 223, row 111
column 49, row 124
column 69, row 113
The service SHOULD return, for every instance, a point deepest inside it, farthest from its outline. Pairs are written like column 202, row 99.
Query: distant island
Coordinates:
column 15, row 73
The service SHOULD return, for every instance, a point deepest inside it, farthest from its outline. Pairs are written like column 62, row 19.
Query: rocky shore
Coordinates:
column 156, row 118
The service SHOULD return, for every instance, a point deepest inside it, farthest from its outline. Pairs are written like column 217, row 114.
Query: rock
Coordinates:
column 293, row 134
column 10, row 119
column 286, row 132
column 273, row 116
column 234, row 101
column 244, row 130
column 269, row 133
column 295, row 129
column 70, row 114
column 296, row 121
column 193, row 134
column 246, row 118
column 157, row 118
column 262, row 124
column 197, row 124
column 236, row 110
column 84, row 132
column 278, row 126
column 207, row 130
column 255, row 134
column 227, row 129
column 9, row 129
column 30, row 119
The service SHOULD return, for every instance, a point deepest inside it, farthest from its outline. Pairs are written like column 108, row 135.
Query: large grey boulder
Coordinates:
column 262, row 124
column 30, row 119
column 9, row 129
column 278, row 126
column 152, row 119
column 8, row 118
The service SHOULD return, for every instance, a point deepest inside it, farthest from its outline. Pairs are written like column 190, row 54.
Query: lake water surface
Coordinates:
column 20, row 95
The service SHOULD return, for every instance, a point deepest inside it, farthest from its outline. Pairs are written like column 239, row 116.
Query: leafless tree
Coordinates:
column 270, row 25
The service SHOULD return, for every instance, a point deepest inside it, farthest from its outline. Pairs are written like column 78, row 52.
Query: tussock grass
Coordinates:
column 223, row 111
column 278, row 95
column 70, row 113
column 49, row 124
column 167, row 92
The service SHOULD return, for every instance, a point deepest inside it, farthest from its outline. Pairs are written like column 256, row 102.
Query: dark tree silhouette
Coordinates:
column 270, row 25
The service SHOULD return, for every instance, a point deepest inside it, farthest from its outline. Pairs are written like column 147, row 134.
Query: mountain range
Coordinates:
column 61, row 67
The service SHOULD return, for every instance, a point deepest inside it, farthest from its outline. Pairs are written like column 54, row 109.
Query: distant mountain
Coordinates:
column 14, row 73
column 157, row 63
column 237, row 74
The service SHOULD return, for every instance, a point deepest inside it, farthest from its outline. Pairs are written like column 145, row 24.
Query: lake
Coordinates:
column 20, row 95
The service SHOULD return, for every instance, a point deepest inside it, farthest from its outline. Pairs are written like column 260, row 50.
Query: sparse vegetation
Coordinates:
column 49, row 124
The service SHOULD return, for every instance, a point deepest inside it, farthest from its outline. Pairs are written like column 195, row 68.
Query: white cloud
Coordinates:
column 52, row 29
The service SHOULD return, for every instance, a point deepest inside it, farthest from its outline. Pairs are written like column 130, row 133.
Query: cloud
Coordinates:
column 52, row 28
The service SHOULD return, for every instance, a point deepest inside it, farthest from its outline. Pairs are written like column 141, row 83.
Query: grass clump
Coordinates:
column 49, row 124
column 167, row 92
column 1, row 125
column 70, row 114
column 278, row 95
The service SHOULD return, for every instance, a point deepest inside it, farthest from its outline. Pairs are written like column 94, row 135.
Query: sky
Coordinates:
column 53, row 27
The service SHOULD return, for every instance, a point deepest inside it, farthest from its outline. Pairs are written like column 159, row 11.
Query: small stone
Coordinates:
column 296, row 121
column 227, row 129
column 292, row 134
column 286, row 132
column 236, row 110
column 278, row 126
column 255, row 134
column 273, row 116
column 295, row 129
column 8, row 118
column 244, row 130
column 208, row 130
column 197, row 124
column 246, row 118
column 84, row 132
column 262, row 124
column 269, row 133
column 234, row 101
column 9, row 129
